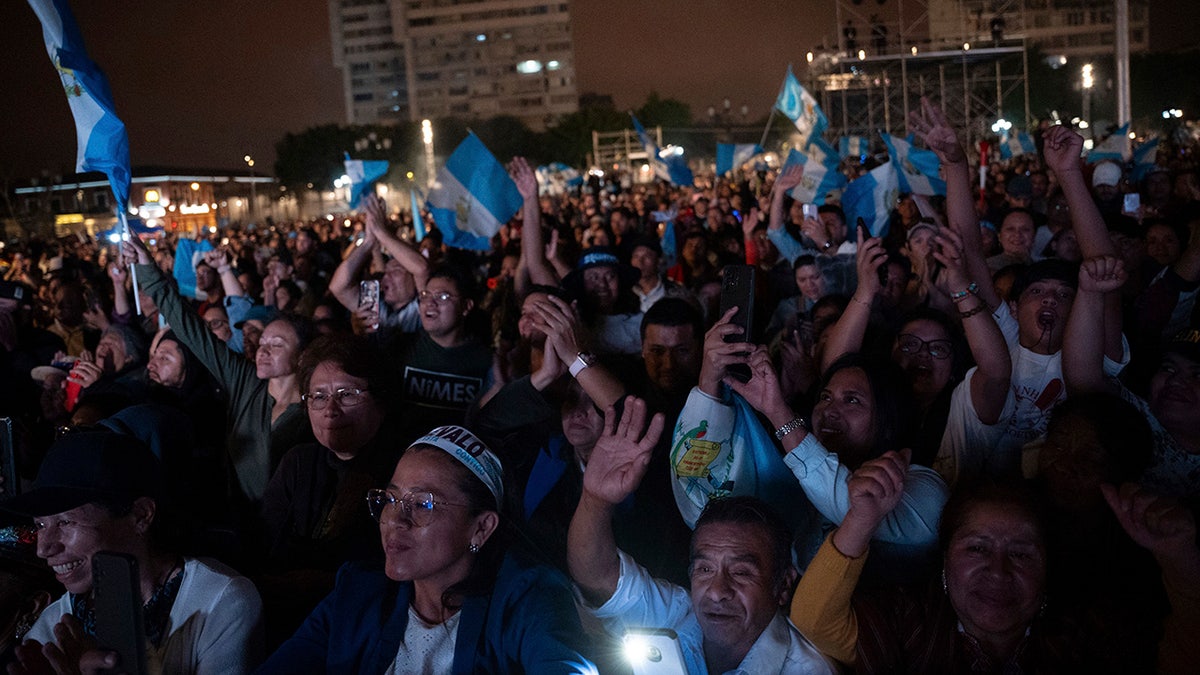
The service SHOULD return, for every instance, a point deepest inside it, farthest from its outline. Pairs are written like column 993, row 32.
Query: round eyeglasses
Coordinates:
column 911, row 344
column 347, row 397
column 416, row 507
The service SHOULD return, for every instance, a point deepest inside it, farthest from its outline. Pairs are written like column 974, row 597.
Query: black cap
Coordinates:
column 90, row 466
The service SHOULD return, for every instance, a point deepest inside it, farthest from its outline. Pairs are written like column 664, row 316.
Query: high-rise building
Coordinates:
column 414, row 59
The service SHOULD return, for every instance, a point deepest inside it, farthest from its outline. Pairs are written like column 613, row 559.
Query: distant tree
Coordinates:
column 315, row 155
column 569, row 139
column 664, row 112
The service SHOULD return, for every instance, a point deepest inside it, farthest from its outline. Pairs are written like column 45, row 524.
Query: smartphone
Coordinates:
column 737, row 290
column 368, row 298
column 653, row 651
column 810, row 211
column 882, row 271
column 11, row 487
column 1133, row 202
column 116, row 592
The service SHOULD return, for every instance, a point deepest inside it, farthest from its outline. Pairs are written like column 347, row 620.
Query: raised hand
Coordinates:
column 119, row 274
column 216, row 258
column 620, row 458
column 788, row 179
column 948, row 252
column 133, row 251
column 750, row 222
column 1061, row 149
column 524, row 177
column 796, row 372
column 931, row 126
column 374, row 215
column 762, row 390
column 1161, row 525
column 815, row 230
column 874, row 491
column 870, row 257
column 719, row 354
column 1102, row 274
column 565, row 335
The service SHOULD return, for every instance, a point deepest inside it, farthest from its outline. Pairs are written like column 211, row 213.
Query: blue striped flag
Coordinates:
column 1145, row 157
column 730, row 155
column 871, row 197
column 363, row 173
column 669, row 245
column 103, row 142
column 418, row 221
column 473, row 196
column 819, row 179
column 1115, row 148
column 189, row 252
column 801, row 108
column 1015, row 144
column 854, row 146
column 917, row 170
column 669, row 165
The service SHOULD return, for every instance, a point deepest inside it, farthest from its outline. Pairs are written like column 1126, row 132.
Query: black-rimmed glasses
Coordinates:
column 911, row 344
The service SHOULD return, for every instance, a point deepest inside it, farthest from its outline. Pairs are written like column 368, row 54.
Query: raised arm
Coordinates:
column 219, row 260
column 846, row 335
column 566, row 338
column 821, row 604
column 119, row 274
column 931, row 125
column 1062, row 148
column 1083, row 341
column 343, row 285
column 614, row 471
column 376, row 220
column 533, row 252
column 787, row 245
column 989, row 385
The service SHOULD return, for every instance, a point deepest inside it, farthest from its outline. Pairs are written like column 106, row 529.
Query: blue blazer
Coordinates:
column 527, row 625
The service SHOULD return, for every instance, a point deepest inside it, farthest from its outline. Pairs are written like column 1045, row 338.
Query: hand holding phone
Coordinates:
column 368, row 300
column 737, row 290
column 117, row 596
column 654, row 651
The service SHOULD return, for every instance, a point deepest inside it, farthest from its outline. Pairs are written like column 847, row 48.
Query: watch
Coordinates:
column 788, row 428
column 828, row 245
column 582, row 360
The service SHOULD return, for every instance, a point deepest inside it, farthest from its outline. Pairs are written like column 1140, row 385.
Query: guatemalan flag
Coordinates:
column 730, row 155
column 1114, row 148
column 916, row 169
column 668, row 165
column 801, row 108
column 103, row 142
column 556, row 178
column 854, row 146
column 189, row 252
column 871, row 198
column 819, row 178
column 363, row 173
column 473, row 196
column 1144, row 159
column 1017, row 143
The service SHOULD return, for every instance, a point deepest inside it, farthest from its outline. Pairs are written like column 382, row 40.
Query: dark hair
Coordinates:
column 804, row 260
column 674, row 312
column 1014, row 497
column 960, row 361
column 745, row 510
column 1051, row 269
column 464, row 283
column 1122, row 432
column 482, row 577
column 555, row 291
column 891, row 398
column 834, row 209
column 302, row 326
column 353, row 354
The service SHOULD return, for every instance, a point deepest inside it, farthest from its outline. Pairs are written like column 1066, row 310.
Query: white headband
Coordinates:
column 473, row 453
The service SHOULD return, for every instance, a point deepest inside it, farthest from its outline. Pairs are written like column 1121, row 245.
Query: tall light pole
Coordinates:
column 427, row 140
column 253, row 192
column 1124, row 110
column 1087, row 83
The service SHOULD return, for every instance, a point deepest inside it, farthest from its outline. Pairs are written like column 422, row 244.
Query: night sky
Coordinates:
column 200, row 84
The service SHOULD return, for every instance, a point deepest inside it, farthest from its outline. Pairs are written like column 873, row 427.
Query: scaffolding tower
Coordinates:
column 871, row 80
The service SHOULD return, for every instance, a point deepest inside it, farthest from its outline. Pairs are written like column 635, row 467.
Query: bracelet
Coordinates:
column 854, row 298
column 973, row 289
column 972, row 312
column 798, row 423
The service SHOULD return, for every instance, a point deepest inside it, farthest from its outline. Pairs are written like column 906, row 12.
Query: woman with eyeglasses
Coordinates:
column 447, row 598
column 928, row 348
column 312, row 509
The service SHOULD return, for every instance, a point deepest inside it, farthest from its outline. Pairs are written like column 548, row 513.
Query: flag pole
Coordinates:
column 770, row 118
column 125, row 236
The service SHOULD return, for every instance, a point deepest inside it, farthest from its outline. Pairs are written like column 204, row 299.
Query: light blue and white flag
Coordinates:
column 1145, row 157
column 473, row 196
column 819, row 149
column 669, row 245
column 669, row 164
column 418, row 221
column 854, row 146
column 794, row 157
column 819, row 178
column 103, row 142
column 363, row 173
column 801, row 108
column 871, row 197
column 917, row 170
column 1017, row 143
column 188, row 253
column 731, row 155
column 1115, row 148
column 557, row 178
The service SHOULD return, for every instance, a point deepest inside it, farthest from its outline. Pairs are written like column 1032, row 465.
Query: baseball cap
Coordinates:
column 1106, row 173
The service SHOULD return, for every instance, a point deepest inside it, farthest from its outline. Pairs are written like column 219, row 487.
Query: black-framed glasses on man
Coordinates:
column 911, row 344
column 417, row 507
column 347, row 397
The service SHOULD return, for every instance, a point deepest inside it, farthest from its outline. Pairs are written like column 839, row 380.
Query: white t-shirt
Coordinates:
column 1173, row 472
column 426, row 648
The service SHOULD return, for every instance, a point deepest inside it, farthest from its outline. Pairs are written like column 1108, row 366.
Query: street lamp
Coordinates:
column 427, row 140
column 253, row 192
column 1087, row 83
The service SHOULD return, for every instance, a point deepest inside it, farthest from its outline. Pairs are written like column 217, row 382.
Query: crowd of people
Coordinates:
column 970, row 444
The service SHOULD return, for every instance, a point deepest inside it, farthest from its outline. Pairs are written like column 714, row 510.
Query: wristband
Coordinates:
column 798, row 423
column 972, row 312
column 970, row 290
column 582, row 361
